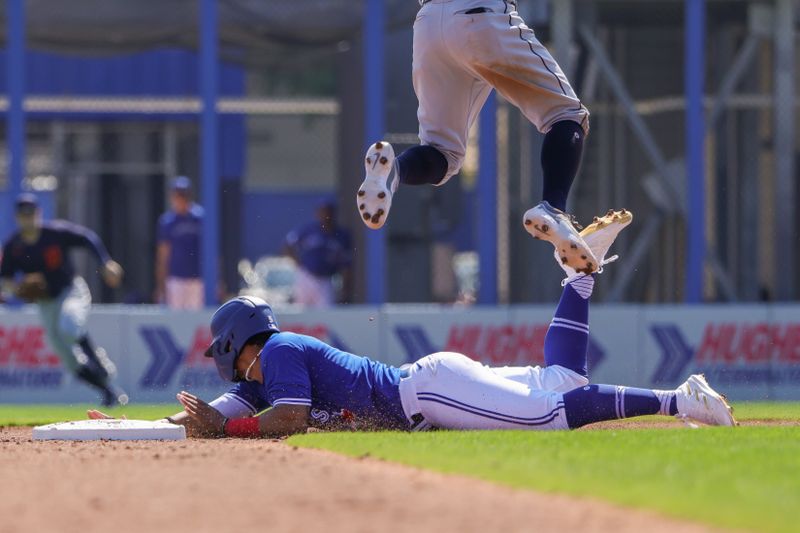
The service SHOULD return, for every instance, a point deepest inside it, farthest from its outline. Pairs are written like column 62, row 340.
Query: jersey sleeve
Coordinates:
column 241, row 401
column 286, row 378
column 74, row 235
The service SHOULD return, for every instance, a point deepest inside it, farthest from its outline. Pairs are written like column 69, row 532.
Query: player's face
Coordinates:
column 247, row 365
column 180, row 202
column 27, row 219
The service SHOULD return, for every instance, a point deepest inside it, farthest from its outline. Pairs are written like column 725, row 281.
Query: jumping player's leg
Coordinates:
column 562, row 150
column 496, row 46
column 527, row 75
column 450, row 99
column 422, row 165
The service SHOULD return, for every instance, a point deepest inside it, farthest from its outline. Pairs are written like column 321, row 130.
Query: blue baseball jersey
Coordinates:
column 183, row 233
column 49, row 255
column 302, row 370
column 320, row 252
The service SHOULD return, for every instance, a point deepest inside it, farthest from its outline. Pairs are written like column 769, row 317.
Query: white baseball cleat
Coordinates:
column 374, row 198
column 599, row 236
column 698, row 401
column 553, row 225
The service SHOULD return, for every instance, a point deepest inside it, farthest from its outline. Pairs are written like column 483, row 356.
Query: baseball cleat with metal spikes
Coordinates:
column 698, row 401
column 599, row 236
column 547, row 223
column 374, row 197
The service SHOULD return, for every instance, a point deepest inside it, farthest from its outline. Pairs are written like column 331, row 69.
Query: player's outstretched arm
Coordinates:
column 199, row 425
column 280, row 421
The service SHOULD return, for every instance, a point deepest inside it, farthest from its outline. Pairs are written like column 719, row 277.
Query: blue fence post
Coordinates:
column 209, row 68
column 15, row 74
column 374, row 129
column 487, row 202
column 694, row 60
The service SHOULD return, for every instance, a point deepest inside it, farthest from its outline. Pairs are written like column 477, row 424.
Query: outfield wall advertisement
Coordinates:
column 747, row 352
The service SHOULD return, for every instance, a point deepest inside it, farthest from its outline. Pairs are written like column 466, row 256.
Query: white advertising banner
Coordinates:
column 747, row 352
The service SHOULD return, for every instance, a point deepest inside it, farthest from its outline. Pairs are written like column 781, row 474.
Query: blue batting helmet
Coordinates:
column 232, row 325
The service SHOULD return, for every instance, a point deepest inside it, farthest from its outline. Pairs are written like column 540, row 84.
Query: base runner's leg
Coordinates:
column 598, row 403
column 568, row 335
column 694, row 399
column 564, row 345
column 451, row 391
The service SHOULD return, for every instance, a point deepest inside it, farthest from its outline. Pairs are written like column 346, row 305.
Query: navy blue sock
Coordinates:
column 596, row 403
column 568, row 335
column 421, row 165
column 562, row 150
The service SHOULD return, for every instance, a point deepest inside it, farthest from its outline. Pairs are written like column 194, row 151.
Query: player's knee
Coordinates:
column 69, row 330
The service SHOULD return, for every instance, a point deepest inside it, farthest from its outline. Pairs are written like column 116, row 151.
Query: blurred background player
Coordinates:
column 36, row 267
column 462, row 50
column 178, row 281
column 322, row 250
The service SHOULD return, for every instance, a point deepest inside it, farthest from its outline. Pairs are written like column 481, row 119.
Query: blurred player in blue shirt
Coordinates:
column 178, row 280
column 321, row 249
column 38, row 256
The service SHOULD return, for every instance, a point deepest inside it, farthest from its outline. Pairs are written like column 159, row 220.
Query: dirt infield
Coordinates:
column 220, row 485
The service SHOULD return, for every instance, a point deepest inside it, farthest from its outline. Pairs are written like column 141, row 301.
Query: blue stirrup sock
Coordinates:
column 568, row 335
column 597, row 403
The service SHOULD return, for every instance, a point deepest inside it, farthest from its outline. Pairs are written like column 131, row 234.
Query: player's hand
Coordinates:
column 112, row 273
column 207, row 420
column 33, row 287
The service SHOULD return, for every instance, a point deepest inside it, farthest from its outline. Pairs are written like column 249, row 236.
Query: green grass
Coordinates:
column 747, row 477
column 767, row 410
column 34, row 415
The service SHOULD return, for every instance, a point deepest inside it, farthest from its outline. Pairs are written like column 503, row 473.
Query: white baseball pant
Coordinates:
column 312, row 291
column 451, row 391
column 184, row 293
column 64, row 320
column 458, row 58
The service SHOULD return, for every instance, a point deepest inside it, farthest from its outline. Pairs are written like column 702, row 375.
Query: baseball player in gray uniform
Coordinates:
column 463, row 49
column 36, row 267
